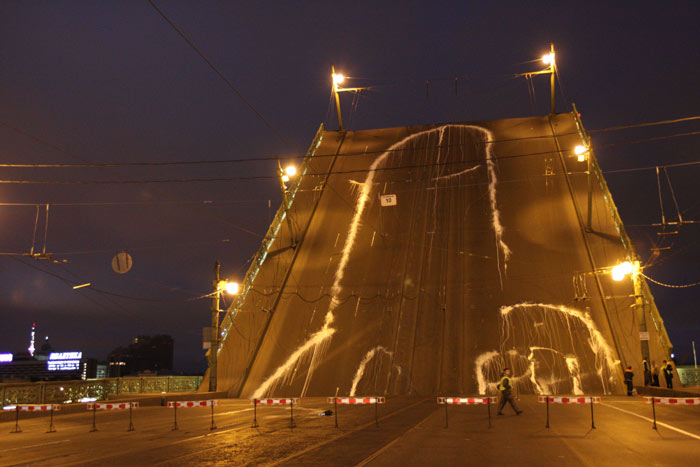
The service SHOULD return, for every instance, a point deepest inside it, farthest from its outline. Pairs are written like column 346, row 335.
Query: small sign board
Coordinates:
column 206, row 338
column 644, row 336
column 387, row 200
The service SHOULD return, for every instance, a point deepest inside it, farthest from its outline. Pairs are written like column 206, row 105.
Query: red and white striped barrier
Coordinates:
column 95, row 406
column 32, row 408
column 568, row 400
column 190, row 404
column 290, row 401
column 287, row 401
column 357, row 400
column 669, row 401
column 672, row 400
column 38, row 408
column 109, row 406
column 465, row 400
column 367, row 400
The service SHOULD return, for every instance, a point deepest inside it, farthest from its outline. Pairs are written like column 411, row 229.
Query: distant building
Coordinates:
column 47, row 367
column 153, row 354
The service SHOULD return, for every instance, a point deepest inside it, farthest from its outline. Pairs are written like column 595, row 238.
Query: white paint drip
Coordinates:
column 465, row 171
column 575, row 372
column 359, row 373
column 317, row 343
column 479, row 364
column 605, row 363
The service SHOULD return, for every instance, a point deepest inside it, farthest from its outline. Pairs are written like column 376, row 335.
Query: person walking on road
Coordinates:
column 506, row 393
column 668, row 373
column 629, row 377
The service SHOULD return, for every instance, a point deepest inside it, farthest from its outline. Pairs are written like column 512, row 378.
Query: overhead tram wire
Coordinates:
column 349, row 154
column 339, row 172
column 218, row 72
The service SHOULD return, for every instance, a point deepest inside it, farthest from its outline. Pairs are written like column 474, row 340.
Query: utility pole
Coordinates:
column 639, row 304
column 214, row 348
column 285, row 204
column 337, row 99
column 553, row 66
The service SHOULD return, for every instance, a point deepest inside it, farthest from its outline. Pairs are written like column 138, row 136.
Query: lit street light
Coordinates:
column 285, row 175
column 633, row 269
column 220, row 286
column 581, row 151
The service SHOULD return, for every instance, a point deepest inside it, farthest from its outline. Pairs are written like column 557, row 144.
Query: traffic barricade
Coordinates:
column 95, row 406
column 188, row 405
column 466, row 401
column 669, row 401
column 290, row 401
column 569, row 400
column 376, row 400
column 33, row 408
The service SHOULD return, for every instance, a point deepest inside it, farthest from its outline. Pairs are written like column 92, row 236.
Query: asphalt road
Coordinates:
column 411, row 431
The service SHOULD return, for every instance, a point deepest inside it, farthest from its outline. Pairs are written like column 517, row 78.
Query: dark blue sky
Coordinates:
column 111, row 81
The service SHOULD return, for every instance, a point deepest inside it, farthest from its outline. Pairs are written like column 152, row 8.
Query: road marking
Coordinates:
column 666, row 425
column 387, row 446
column 35, row 445
column 337, row 437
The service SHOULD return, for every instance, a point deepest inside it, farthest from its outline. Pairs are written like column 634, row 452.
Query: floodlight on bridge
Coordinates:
column 621, row 270
column 581, row 151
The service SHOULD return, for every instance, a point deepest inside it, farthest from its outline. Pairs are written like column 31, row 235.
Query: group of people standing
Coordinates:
column 651, row 375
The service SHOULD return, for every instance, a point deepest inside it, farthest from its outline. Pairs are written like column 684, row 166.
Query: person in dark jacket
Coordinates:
column 506, row 389
column 654, row 374
column 647, row 372
column 629, row 377
column 667, row 369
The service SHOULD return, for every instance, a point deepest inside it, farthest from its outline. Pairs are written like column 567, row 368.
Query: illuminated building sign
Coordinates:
column 65, row 355
column 64, row 361
column 5, row 357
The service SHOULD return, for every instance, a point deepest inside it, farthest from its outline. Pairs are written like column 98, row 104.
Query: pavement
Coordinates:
column 406, row 431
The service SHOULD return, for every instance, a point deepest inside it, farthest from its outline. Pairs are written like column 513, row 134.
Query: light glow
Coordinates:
column 338, row 78
column 5, row 357
column 285, row 178
column 621, row 270
column 231, row 288
column 548, row 59
column 290, row 170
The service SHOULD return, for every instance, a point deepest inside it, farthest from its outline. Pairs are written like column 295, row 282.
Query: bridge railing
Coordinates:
column 58, row 392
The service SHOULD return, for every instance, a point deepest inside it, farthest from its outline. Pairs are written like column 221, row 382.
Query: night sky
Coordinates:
column 113, row 82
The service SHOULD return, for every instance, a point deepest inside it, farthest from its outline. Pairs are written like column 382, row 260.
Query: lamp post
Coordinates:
column 284, row 176
column 634, row 269
column 219, row 286
column 547, row 59
column 338, row 79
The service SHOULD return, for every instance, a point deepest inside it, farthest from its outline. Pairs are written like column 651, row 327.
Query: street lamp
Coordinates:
column 285, row 175
column 220, row 286
column 581, row 151
column 549, row 60
column 633, row 269
column 338, row 79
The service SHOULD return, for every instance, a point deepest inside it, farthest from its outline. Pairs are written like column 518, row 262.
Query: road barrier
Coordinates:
column 33, row 408
column 95, row 406
column 376, row 400
column 190, row 404
column 569, row 400
column 669, row 401
column 466, row 401
column 283, row 401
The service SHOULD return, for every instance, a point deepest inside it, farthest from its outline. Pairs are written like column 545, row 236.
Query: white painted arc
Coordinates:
column 319, row 340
